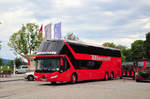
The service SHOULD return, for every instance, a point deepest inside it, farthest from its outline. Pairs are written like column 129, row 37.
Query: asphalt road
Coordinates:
column 113, row 89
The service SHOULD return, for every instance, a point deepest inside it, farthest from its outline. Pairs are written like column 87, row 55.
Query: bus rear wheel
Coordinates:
column 73, row 78
column 106, row 76
column 137, row 80
column 112, row 76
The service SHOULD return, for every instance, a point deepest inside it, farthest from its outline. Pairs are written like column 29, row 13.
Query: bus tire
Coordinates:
column 133, row 78
column 112, row 76
column 106, row 76
column 53, row 83
column 137, row 80
column 73, row 78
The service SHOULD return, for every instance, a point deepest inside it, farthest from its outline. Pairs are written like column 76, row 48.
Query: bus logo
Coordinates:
column 94, row 57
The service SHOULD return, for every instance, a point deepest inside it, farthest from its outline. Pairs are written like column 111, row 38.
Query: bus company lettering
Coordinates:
column 94, row 57
column 40, row 53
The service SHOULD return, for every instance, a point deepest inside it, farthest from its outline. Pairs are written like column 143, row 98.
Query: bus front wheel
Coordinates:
column 73, row 78
column 53, row 83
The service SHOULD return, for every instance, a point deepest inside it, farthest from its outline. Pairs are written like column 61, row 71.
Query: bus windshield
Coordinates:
column 46, row 65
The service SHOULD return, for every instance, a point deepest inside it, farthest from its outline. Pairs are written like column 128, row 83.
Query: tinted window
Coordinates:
column 47, row 64
column 88, row 64
column 65, row 65
column 86, row 49
column 50, row 46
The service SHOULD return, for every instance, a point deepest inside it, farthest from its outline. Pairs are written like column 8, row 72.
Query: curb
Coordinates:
column 11, row 80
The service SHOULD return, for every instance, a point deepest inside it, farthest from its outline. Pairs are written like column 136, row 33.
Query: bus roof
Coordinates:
column 91, row 44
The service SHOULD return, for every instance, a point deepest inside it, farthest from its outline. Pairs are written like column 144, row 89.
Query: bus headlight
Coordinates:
column 54, row 76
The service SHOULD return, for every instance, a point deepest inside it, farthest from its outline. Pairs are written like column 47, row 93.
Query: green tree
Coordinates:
column 18, row 62
column 108, row 44
column 26, row 40
column 121, row 47
column 71, row 36
column 127, row 53
column 1, row 62
column 137, row 50
column 123, row 50
column 147, row 45
column 10, row 63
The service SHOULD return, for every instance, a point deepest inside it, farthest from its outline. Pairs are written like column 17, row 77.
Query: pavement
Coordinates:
column 111, row 89
column 12, row 77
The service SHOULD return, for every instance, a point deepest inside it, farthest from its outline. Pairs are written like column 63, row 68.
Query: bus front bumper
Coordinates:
column 47, row 79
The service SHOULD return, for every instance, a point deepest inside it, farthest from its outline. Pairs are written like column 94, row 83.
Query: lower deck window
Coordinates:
column 88, row 64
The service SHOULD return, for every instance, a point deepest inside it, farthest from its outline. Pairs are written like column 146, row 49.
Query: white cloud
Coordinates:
column 124, row 39
column 108, row 13
column 62, row 4
column 118, row 41
column 139, row 24
column 12, row 20
column 87, row 27
column 10, row 1
column 6, row 52
column 147, row 26
column 144, row 2
column 116, row 21
column 135, row 35
column 105, row 0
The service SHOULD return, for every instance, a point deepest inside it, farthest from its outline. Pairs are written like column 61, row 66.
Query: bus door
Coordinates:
column 64, row 71
column 82, row 70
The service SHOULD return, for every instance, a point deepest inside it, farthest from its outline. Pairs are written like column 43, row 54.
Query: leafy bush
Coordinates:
column 4, row 68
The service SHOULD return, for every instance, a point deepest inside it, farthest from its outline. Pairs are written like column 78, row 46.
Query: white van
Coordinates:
column 22, row 69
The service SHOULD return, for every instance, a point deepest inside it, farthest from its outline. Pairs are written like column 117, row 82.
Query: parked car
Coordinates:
column 22, row 69
column 29, row 76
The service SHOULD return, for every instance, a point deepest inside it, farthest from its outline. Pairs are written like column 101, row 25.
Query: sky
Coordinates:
column 97, row 21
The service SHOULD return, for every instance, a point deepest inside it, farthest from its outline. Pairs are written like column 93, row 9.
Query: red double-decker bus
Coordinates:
column 142, row 70
column 72, row 61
